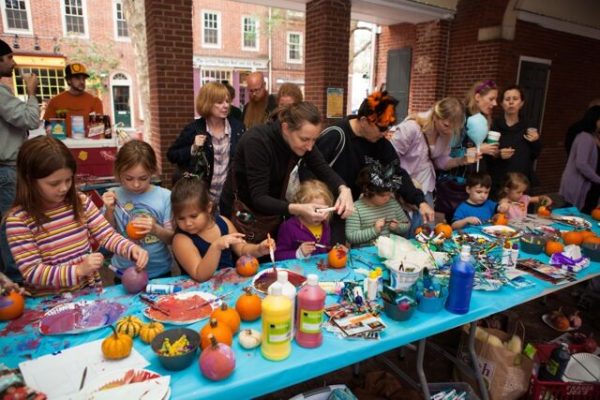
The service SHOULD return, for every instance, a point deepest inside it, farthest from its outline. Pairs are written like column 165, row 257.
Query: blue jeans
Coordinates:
column 8, row 186
column 416, row 219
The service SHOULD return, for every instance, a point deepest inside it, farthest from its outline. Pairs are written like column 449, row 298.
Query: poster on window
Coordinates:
column 335, row 103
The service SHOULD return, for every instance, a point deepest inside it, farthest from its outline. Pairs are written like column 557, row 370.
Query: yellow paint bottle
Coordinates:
column 276, row 326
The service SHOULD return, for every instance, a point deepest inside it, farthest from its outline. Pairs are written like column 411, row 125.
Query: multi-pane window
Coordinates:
column 122, row 31
column 211, row 22
column 16, row 15
column 51, row 81
column 215, row 75
column 249, row 33
column 294, row 47
column 74, row 17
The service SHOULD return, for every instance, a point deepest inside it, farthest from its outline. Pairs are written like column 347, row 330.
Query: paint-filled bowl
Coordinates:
column 181, row 360
column 532, row 244
column 398, row 312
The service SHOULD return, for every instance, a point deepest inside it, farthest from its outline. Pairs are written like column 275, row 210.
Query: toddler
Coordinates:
column 512, row 196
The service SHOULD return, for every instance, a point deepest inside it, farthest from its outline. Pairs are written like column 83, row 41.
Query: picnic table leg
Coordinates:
column 475, row 362
column 420, row 370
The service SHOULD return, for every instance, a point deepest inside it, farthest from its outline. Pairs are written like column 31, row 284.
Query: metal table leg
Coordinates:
column 420, row 370
column 475, row 362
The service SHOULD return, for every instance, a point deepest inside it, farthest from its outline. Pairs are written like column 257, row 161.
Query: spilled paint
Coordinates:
column 226, row 276
column 28, row 344
column 82, row 316
column 29, row 318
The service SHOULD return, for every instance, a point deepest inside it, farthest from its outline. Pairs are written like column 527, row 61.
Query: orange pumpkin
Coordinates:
column 11, row 306
column 592, row 240
column 133, row 233
column 249, row 306
column 500, row 219
column 444, row 229
column 572, row 237
column 543, row 211
column 596, row 214
column 246, row 265
column 554, row 246
column 337, row 257
column 220, row 331
column 587, row 234
column 227, row 316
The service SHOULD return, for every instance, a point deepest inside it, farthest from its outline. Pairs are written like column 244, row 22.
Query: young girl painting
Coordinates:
column 139, row 209
column 50, row 225
column 512, row 195
column 205, row 242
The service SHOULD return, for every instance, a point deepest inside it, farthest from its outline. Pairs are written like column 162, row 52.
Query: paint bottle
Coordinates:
column 462, row 275
column 554, row 369
column 276, row 342
column 372, row 285
column 288, row 290
column 311, row 302
column 156, row 288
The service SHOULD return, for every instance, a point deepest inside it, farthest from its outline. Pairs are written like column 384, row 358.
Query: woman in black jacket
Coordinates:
column 207, row 145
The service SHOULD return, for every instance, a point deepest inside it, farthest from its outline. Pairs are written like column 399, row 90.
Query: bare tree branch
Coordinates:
column 362, row 48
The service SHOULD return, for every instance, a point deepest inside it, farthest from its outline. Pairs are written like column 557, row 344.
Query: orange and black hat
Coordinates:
column 379, row 108
column 76, row 69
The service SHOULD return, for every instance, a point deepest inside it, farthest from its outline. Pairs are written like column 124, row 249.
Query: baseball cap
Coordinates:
column 76, row 69
column 4, row 48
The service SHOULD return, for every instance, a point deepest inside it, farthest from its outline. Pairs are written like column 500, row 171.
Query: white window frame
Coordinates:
column 287, row 48
column 219, row 25
column 86, row 34
column 257, row 27
column 115, row 18
column 13, row 30
column 122, row 82
column 228, row 74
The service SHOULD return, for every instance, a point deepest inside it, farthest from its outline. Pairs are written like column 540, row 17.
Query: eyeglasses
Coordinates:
column 383, row 129
column 257, row 90
column 485, row 85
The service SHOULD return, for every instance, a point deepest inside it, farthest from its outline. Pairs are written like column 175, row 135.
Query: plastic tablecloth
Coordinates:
column 20, row 340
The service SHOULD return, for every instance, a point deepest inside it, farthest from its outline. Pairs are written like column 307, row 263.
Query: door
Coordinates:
column 533, row 78
column 398, row 78
column 122, row 109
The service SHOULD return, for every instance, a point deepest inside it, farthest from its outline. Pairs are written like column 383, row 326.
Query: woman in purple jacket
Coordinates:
column 580, row 183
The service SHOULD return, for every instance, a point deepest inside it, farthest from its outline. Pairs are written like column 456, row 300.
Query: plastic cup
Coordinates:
column 493, row 137
column 471, row 155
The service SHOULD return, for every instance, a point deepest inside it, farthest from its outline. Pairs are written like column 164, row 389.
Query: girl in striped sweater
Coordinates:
column 51, row 225
column 377, row 211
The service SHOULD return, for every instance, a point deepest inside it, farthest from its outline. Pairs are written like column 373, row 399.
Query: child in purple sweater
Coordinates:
column 299, row 237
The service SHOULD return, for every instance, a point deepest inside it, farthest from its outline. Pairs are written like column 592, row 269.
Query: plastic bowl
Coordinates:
column 532, row 244
column 400, row 280
column 431, row 304
column 394, row 312
column 179, row 362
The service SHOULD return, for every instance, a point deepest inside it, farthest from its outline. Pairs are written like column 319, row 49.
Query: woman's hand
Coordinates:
column 426, row 212
column 344, row 204
column 91, row 263
column 532, row 135
column 140, row 256
column 506, row 153
column 489, row 149
column 226, row 241
column 307, row 248
column 109, row 199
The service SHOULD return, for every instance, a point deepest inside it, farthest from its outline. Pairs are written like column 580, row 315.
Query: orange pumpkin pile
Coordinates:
column 227, row 316
column 249, row 306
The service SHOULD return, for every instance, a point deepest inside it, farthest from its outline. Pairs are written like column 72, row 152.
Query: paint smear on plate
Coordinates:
column 80, row 317
column 181, row 309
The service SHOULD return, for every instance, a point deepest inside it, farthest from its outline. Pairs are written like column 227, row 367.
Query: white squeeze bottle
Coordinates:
column 288, row 290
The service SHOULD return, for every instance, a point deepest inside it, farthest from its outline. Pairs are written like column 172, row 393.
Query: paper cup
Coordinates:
column 493, row 137
column 471, row 155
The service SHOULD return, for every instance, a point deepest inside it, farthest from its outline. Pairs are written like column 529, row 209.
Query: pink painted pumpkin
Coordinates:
column 134, row 281
column 217, row 361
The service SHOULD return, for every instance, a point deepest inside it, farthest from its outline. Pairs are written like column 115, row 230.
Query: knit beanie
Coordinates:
column 4, row 48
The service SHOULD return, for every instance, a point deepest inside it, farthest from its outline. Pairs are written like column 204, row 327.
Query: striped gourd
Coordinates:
column 129, row 325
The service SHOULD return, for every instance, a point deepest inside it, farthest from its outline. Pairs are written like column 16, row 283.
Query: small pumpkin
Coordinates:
column 572, row 237
column 228, row 316
column 444, row 229
column 246, row 265
column 499, row 219
column 249, row 338
column 11, row 305
column 337, row 257
column 117, row 345
column 149, row 331
column 129, row 325
column 133, row 233
column 554, row 246
column 220, row 331
column 249, row 306
column 543, row 211
column 596, row 213
column 592, row 240
column 587, row 234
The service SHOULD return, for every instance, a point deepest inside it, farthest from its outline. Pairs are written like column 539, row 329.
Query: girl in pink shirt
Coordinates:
column 513, row 195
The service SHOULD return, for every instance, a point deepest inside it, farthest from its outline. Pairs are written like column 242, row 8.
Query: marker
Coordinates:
column 114, row 269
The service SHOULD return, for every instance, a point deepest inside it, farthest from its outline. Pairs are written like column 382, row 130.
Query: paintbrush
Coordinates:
column 272, row 252
column 207, row 302
column 120, row 207
column 318, row 245
column 152, row 304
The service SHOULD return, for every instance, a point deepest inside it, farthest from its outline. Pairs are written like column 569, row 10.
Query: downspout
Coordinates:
column 374, row 46
column 270, row 46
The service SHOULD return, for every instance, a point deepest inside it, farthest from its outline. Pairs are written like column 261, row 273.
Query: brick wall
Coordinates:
column 170, row 53
column 326, row 49
column 392, row 37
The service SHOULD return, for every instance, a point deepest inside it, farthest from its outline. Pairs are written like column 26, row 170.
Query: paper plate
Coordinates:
column 582, row 367
column 183, row 308
column 547, row 321
column 128, row 383
column 82, row 316
column 572, row 220
column 501, row 232
column 266, row 277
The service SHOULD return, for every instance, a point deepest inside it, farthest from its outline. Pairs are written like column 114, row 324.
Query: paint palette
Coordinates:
column 266, row 277
column 183, row 308
column 79, row 317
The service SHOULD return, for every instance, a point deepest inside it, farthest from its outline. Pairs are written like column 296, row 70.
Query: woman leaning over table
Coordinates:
column 206, row 146
column 265, row 157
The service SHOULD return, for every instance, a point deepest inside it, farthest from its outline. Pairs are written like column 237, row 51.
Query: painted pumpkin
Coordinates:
column 499, row 219
column 596, row 214
column 246, row 265
column 572, row 237
column 217, row 360
column 249, row 306
column 444, row 229
column 554, row 246
column 134, row 281
column 149, row 331
column 220, row 331
column 227, row 316
column 116, row 346
column 133, row 233
column 11, row 306
column 337, row 257
column 129, row 325
column 543, row 211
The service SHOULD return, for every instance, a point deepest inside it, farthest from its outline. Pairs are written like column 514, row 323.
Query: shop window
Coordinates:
column 16, row 16
column 215, row 75
column 51, row 81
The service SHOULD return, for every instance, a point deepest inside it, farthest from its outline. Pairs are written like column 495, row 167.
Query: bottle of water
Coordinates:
column 462, row 275
column 554, row 369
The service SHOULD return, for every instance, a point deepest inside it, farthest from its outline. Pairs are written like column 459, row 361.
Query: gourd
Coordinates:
column 249, row 306
column 217, row 361
column 11, row 305
column 444, row 229
column 129, row 325
column 337, row 257
column 227, row 316
column 117, row 345
column 149, row 331
column 134, row 281
column 246, row 265
column 249, row 338
column 221, row 332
